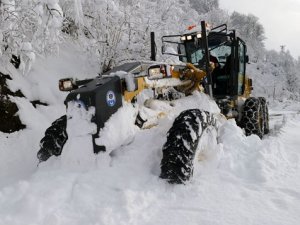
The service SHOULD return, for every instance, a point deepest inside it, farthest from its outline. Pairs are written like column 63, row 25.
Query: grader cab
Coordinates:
column 223, row 56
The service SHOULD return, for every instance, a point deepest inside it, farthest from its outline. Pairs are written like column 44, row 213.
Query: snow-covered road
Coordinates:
column 245, row 181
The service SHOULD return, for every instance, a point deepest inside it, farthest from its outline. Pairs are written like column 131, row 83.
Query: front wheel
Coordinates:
column 182, row 141
column 54, row 140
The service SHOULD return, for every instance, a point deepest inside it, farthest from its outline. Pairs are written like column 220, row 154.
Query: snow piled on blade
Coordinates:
column 197, row 100
column 78, row 152
column 129, row 79
column 120, row 129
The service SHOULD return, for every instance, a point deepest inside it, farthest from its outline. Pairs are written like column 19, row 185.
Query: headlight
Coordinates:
column 157, row 72
column 183, row 38
column 199, row 35
column 154, row 73
column 66, row 84
column 189, row 37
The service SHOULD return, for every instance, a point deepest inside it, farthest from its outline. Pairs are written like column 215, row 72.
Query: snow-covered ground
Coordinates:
column 244, row 180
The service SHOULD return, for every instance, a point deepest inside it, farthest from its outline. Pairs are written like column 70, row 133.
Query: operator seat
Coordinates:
column 221, row 78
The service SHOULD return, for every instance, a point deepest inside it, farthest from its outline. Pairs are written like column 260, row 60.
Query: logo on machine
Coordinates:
column 110, row 98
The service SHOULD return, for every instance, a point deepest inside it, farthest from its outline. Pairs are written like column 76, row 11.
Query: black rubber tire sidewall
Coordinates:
column 265, row 111
column 181, row 145
column 54, row 140
column 252, row 119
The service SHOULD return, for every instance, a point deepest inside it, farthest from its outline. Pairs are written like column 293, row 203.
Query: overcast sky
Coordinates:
column 280, row 18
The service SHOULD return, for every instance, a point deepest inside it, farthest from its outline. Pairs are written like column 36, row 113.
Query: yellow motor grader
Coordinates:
column 211, row 61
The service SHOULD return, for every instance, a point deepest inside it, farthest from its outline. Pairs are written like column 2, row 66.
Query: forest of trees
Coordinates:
column 118, row 30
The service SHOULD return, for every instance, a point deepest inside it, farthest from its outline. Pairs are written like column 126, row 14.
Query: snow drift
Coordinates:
column 242, row 180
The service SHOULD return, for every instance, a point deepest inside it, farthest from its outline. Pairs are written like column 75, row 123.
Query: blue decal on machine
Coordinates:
column 110, row 98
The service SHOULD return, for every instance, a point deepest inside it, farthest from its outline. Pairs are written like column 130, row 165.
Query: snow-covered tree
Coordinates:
column 249, row 28
column 29, row 27
column 288, row 63
column 47, row 35
column 204, row 6
column 116, row 31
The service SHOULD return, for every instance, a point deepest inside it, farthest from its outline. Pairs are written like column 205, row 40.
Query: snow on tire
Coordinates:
column 265, row 112
column 180, row 148
column 252, row 119
column 53, row 141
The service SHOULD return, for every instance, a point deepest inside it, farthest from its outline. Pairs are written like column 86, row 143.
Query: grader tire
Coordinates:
column 181, row 145
column 253, row 119
column 265, row 111
column 54, row 140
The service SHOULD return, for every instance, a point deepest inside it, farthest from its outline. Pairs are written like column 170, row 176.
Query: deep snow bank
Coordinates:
column 18, row 150
column 124, row 188
column 243, row 180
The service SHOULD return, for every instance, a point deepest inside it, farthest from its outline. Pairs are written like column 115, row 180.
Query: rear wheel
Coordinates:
column 180, row 148
column 253, row 119
column 265, row 112
column 54, row 140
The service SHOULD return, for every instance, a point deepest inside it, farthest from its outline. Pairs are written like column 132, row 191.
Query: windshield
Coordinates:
column 221, row 53
column 195, row 53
